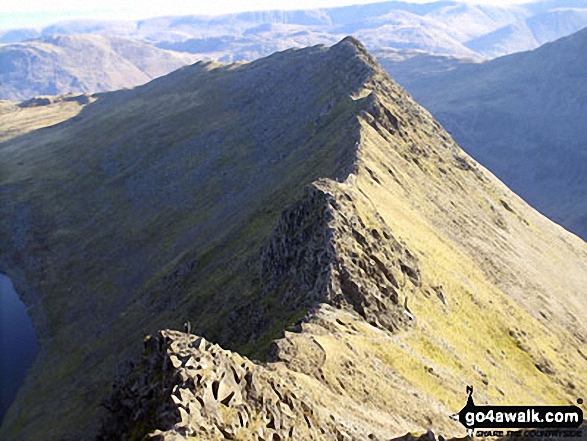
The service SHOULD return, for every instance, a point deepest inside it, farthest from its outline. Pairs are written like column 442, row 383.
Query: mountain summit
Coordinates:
column 301, row 209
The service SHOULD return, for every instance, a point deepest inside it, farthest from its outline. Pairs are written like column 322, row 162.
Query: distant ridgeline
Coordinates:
column 302, row 210
column 441, row 27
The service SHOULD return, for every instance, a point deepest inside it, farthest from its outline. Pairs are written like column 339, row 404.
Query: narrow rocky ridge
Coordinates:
column 323, row 252
column 401, row 243
column 189, row 388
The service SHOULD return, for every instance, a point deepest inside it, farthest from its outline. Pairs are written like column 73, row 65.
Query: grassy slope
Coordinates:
column 151, row 206
column 523, row 117
column 513, row 294
column 16, row 121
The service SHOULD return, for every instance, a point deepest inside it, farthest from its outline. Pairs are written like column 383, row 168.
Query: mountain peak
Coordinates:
column 352, row 48
column 351, row 42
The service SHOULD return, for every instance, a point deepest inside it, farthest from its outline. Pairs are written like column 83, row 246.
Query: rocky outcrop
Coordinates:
column 41, row 101
column 325, row 250
column 297, row 262
column 185, row 387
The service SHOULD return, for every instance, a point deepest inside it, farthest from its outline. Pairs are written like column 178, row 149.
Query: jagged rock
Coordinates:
column 323, row 251
column 206, row 392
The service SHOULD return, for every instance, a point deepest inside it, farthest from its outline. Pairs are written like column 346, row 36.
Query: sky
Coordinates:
column 38, row 13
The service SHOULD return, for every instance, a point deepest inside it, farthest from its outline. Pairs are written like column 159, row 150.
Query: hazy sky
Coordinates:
column 31, row 13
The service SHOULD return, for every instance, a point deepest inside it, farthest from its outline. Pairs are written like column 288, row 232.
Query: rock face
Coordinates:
column 364, row 264
column 191, row 388
column 302, row 210
column 322, row 252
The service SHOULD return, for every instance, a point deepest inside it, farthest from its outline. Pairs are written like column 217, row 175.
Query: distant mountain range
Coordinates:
column 87, row 63
column 99, row 55
column 55, row 65
column 442, row 27
column 524, row 116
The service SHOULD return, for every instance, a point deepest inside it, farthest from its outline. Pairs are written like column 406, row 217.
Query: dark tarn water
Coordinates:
column 18, row 343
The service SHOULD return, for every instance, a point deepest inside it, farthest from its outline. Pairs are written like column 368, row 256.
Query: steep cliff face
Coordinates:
column 322, row 251
column 305, row 210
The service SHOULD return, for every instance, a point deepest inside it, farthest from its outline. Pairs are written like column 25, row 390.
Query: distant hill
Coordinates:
column 302, row 210
column 97, row 55
column 441, row 27
column 530, row 33
column 524, row 116
column 55, row 65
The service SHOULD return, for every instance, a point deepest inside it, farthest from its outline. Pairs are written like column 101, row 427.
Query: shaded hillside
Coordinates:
column 411, row 66
column 81, row 63
column 301, row 209
column 523, row 116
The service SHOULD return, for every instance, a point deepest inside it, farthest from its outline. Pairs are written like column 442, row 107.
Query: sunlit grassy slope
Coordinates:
column 157, row 205
column 502, row 301
column 16, row 120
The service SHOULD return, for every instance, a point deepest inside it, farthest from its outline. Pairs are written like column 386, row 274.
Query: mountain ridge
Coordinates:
column 160, row 293
column 397, row 222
